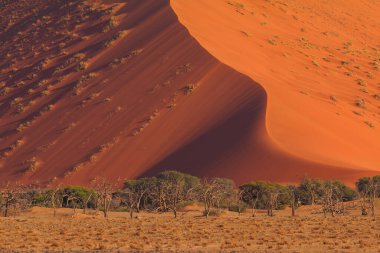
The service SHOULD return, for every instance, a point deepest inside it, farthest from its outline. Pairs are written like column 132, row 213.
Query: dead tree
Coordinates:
column 238, row 199
column 374, row 185
column 13, row 196
column 172, row 194
column 313, row 189
column 327, row 200
column 368, row 189
column 174, row 188
column 85, row 201
column 250, row 196
column 56, row 199
column 332, row 198
column 104, row 192
column 271, row 200
column 293, row 198
column 207, row 194
column 134, row 191
column 214, row 192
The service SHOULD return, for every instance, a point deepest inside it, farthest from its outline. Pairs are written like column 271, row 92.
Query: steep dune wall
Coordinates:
column 318, row 62
column 123, row 90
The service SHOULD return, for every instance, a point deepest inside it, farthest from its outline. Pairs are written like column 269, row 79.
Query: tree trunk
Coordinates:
column 373, row 197
column 6, row 209
column 105, row 208
column 293, row 210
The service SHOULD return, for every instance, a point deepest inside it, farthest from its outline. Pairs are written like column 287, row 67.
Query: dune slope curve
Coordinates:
column 122, row 90
column 318, row 62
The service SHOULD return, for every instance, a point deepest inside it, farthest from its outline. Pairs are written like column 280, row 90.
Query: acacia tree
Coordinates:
column 206, row 194
column 250, row 195
column 374, row 189
column 173, row 188
column 334, row 194
column 13, row 196
column 293, row 192
column 329, row 198
column 369, row 189
column 56, row 200
column 104, row 190
column 270, row 197
column 74, row 196
column 237, row 200
column 310, row 190
column 214, row 193
column 265, row 195
column 134, row 191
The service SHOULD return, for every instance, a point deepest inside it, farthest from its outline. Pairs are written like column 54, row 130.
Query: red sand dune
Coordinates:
column 154, row 97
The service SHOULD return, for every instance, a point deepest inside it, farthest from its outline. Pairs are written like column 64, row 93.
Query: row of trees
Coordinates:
column 171, row 190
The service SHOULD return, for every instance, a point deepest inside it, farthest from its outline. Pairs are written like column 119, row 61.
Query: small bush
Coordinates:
column 83, row 65
column 213, row 212
column 236, row 207
column 189, row 88
column 361, row 82
column 360, row 102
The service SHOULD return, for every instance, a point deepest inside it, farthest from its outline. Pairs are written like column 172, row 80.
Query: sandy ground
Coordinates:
column 39, row 231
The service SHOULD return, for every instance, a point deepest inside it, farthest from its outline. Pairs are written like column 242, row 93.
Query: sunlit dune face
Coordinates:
column 248, row 90
column 317, row 60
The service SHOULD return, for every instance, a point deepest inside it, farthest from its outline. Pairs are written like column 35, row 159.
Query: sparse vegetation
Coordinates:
column 272, row 42
column 370, row 124
column 189, row 88
column 110, row 24
column 173, row 191
column 333, row 98
column 360, row 102
column 83, row 65
column 115, row 37
column 361, row 82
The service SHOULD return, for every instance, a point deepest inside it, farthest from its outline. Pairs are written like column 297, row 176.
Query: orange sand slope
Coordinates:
column 121, row 89
column 318, row 62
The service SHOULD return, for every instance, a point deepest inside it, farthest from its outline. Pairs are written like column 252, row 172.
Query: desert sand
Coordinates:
column 316, row 61
column 246, row 90
column 38, row 230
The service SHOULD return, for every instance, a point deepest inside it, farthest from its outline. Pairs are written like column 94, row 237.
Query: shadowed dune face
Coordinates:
column 317, row 60
column 123, row 90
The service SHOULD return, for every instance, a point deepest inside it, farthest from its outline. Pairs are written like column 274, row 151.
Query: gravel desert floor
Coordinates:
column 309, row 231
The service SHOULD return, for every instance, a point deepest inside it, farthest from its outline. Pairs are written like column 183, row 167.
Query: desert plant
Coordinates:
column 13, row 197
column 368, row 189
column 83, row 65
column 134, row 191
column 215, row 193
column 310, row 191
column 173, row 188
column 104, row 190
column 334, row 193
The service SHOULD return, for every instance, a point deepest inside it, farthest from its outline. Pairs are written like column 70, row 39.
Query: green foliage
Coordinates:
column 310, row 191
column 340, row 189
column 365, row 184
column 261, row 192
column 76, row 196
column 225, row 191
column 39, row 200
column 188, row 181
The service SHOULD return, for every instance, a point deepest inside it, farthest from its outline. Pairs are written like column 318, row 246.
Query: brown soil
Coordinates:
column 39, row 231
